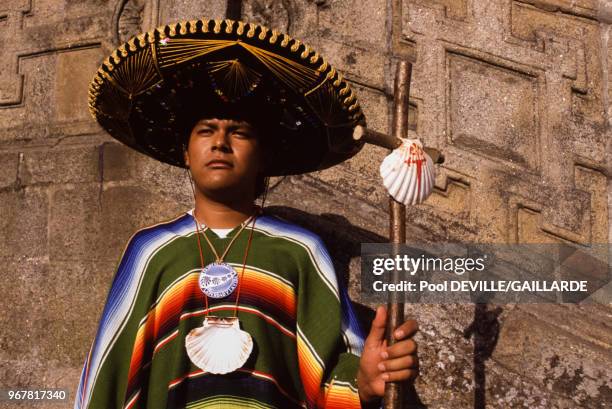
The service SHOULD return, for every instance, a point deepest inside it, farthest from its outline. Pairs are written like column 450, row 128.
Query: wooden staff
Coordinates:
column 397, row 210
column 397, row 225
column 391, row 142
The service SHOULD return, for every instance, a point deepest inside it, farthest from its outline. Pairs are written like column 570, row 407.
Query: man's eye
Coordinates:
column 242, row 134
column 204, row 131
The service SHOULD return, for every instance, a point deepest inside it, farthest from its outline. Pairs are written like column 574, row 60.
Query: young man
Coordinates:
column 226, row 306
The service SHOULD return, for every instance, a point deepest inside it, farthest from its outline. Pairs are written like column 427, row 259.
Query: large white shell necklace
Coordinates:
column 219, row 346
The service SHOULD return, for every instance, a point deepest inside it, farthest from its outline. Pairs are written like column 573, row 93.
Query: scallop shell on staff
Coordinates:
column 408, row 173
column 219, row 346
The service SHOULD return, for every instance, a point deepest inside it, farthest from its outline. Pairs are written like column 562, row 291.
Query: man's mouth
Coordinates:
column 219, row 164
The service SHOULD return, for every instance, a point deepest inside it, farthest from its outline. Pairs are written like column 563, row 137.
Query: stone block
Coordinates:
column 126, row 209
column 350, row 21
column 49, row 17
column 445, row 354
column 178, row 10
column 357, row 177
column 40, row 94
column 568, row 368
column 453, row 197
column 608, row 53
column 166, row 181
column 360, row 174
column 493, row 111
column 36, row 372
column 75, row 223
column 375, row 106
column 81, row 283
column 23, row 304
column 73, row 73
column 275, row 15
column 9, row 168
column 23, row 223
column 60, row 165
column 298, row 18
column 365, row 65
column 55, row 86
column 121, row 163
column 576, row 40
column 95, row 222
column 118, row 162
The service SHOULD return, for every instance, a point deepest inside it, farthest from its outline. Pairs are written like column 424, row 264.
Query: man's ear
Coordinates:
column 186, row 157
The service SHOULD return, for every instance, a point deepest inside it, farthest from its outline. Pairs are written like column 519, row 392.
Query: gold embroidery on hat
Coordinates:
column 325, row 102
column 274, row 36
column 183, row 49
column 263, row 32
column 180, row 50
column 135, row 74
column 132, row 45
column 205, row 26
column 123, row 50
column 323, row 66
column 232, row 78
column 142, row 41
column 229, row 26
column 240, row 29
column 338, row 80
column 251, row 31
column 290, row 72
column 285, row 41
column 183, row 28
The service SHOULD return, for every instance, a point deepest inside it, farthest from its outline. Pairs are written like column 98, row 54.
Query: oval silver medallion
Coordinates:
column 218, row 280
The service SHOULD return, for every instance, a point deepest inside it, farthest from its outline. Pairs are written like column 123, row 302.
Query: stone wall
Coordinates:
column 515, row 93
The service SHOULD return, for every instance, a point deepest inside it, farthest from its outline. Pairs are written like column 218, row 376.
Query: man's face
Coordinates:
column 224, row 157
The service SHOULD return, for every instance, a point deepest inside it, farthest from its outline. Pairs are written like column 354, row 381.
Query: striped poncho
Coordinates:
column 306, row 338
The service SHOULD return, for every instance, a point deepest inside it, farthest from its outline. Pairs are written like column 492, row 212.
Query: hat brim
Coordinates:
column 151, row 90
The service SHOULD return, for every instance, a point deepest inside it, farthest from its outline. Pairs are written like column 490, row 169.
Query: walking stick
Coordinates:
column 397, row 222
column 397, row 210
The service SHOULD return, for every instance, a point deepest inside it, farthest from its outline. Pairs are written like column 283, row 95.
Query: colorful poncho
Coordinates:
column 306, row 337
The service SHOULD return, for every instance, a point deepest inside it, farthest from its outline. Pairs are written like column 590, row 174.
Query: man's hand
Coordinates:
column 380, row 364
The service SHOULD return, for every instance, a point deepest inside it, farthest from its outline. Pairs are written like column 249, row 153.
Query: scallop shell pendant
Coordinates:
column 219, row 346
column 408, row 173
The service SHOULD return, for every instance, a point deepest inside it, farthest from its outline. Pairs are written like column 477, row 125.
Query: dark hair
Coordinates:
column 261, row 183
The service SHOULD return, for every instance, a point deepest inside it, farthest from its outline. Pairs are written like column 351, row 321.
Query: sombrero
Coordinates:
column 148, row 92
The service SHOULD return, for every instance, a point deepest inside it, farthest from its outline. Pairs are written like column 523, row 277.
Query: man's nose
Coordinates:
column 221, row 141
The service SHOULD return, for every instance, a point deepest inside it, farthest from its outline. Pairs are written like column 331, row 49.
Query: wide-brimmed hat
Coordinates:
column 150, row 91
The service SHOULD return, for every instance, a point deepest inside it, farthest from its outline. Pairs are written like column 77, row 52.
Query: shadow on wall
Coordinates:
column 343, row 241
column 485, row 332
